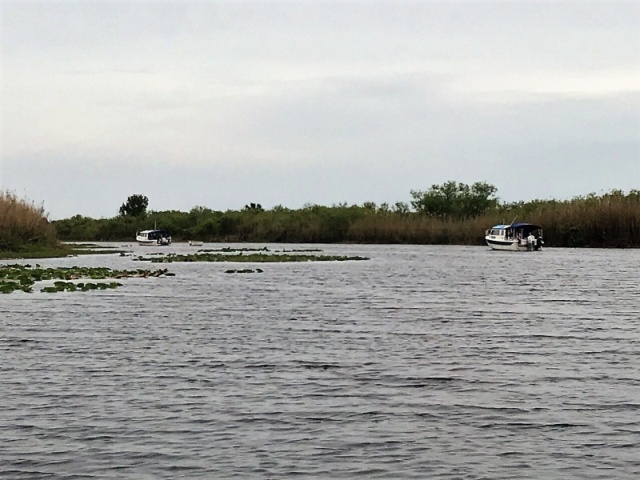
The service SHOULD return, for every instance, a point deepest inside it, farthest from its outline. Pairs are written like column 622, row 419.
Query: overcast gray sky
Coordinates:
column 223, row 103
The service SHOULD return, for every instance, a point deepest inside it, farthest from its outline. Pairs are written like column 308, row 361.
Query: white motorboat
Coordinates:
column 515, row 237
column 153, row 237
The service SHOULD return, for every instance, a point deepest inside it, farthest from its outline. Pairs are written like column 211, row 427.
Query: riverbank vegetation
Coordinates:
column 451, row 213
column 26, row 232
column 25, row 229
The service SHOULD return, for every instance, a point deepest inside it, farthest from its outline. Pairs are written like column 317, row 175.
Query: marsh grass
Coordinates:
column 607, row 221
column 24, row 225
column 416, row 229
column 611, row 220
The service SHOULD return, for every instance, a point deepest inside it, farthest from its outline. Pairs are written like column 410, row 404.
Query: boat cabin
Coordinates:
column 153, row 237
column 515, row 236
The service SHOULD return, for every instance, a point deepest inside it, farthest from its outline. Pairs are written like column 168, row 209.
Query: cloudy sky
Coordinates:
column 223, row 103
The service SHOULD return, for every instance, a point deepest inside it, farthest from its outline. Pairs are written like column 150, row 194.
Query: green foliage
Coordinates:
column 609, row 220
column 455, row 200
column 135, row 206
column 254, row 207
column 401, row 207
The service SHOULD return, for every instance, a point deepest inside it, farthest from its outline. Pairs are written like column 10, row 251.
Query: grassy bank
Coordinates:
column 25, row 230
column 610, row 220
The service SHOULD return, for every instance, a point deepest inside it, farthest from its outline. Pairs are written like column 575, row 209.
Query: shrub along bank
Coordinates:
column 24, row 228
column 608, row 220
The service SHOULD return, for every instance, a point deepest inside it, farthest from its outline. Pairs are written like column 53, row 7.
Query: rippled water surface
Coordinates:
column 422, row 362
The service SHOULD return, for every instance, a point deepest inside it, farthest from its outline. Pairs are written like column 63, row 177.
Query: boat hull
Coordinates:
column 147, row 242
column 505, row 245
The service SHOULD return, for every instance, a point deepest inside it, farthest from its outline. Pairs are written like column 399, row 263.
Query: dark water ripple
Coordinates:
column 424, row 362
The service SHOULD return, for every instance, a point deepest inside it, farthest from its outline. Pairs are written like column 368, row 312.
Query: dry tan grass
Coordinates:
column 611, row 220
column 23, row 223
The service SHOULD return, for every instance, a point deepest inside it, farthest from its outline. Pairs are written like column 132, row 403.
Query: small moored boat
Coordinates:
column 153, row 237
column 195, row 243
column 515, row 237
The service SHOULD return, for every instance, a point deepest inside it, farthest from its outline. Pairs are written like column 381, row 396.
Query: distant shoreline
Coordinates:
column 608, row 221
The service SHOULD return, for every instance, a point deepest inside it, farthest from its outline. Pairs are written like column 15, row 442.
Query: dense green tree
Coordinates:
column 453, row 200
column 478, row 199
column 253, row 207
column 401, row 207
column 135, row 206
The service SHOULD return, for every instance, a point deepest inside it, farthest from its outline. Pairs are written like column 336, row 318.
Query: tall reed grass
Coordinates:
column 611, row 220
column 23, row 224
column 608, row 221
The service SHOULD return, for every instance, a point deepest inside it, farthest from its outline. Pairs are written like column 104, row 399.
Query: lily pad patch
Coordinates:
column 68, row 279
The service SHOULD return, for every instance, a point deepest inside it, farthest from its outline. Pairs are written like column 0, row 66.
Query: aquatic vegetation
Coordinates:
column 233, row 249
column 23, row 277
column 245, row 270
column 83, row 287
column 250, row 258
column 285, row 250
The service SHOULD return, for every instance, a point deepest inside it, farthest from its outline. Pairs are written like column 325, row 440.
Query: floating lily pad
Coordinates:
column 244, row 270
column 23, row 277
column 250, row 258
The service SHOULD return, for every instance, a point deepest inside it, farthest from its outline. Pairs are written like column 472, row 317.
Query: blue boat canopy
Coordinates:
column 525, row 226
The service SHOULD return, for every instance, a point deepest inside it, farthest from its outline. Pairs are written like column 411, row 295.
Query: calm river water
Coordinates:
column 423, row 362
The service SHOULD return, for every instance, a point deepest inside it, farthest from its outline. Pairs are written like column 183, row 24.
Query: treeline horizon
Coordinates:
column 447, row 214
